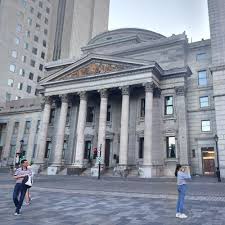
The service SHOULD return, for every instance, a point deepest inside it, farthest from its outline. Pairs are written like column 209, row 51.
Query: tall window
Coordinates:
column 36, row 38
column 202, row 78
column 41, row 67
column 44, row 43
column 28, row 89
column 14, row 54
column 204, row 101
column 52, row 116
column 22, row 72
column 27, row 127
column 90, row 114
column 87, row 150
column 48, row 149
column 12, row 68
column 32, row 63
column 170, row 147
column 10, row 82
column 141, row 148
column 142, row 109
column 34, row 51
column 109, row 112
column 168, row 105
column 206, row 125
column 20, row 86
column 16, row 128
column 31, row 76
column 24, row 58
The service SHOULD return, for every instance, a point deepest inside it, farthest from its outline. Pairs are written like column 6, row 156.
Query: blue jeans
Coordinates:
column 181, row 194
column 18, row 195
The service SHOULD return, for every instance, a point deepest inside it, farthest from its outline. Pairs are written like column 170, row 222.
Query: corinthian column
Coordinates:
column 147, row 161
column 124, row 127
column 41, row 144
column 102, row 122
column 60, row 131
column 182, row 121
column 79, row 156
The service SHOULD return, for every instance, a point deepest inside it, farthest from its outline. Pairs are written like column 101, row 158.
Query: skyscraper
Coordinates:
column 33, row 32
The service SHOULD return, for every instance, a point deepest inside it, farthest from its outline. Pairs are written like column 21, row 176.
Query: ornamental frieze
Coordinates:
column 94, row 69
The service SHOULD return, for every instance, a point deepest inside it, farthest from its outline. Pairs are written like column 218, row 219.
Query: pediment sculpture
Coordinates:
column 95, row 68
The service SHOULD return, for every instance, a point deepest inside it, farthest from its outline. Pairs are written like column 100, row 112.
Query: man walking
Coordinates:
column 20, row 188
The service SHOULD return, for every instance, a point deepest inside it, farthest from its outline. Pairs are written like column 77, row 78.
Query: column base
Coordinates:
column 53, row 170
column 37, row 167
column 95, row 169
column 121, row 170
column 145, row 172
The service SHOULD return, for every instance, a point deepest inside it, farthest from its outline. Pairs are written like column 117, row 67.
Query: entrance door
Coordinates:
column 208, row 161
column 107, row 151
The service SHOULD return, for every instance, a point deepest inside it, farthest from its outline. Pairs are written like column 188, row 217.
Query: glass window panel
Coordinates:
column 204, row 101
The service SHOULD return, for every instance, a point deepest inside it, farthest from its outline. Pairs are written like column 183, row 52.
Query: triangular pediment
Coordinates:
column 92, row 66
column 95, row 67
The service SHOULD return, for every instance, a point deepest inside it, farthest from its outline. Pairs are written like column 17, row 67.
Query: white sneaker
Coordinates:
column 177, row 215
column 183, row 216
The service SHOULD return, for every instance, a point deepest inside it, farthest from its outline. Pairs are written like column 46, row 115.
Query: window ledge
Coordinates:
column 172, row 117
column 171, row 160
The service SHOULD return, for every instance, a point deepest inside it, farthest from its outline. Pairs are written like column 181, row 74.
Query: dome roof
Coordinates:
column 143, row 34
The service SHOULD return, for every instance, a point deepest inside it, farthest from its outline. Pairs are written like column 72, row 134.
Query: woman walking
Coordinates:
column 182, row 173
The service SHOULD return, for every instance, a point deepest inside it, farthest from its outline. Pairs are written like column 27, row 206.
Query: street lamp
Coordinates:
column 217, row 154
column 19, row 154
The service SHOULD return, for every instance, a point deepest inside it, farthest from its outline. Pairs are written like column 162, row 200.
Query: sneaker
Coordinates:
column 183, row 216
column 177, row 215
column 17, row 214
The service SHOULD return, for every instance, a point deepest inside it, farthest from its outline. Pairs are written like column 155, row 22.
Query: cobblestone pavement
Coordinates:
column 81, row 201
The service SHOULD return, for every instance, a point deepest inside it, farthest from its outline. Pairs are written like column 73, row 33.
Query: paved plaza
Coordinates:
column 72, row 200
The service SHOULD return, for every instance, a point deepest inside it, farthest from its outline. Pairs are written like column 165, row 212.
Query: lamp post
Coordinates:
column 218, row 162
column 19, row 154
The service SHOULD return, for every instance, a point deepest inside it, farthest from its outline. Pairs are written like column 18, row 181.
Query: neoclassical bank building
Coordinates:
column 136, row 101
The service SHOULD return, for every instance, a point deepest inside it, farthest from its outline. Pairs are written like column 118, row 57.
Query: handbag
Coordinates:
column 28, row 182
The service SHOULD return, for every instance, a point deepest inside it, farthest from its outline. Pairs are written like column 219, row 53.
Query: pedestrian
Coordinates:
column 28, row 195
column 182, row 173
column 20, row 188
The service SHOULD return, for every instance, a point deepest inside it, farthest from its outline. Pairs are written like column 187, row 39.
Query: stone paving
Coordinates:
column 71, row 203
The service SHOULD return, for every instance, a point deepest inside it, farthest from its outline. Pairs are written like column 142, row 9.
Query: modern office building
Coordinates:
column 33, row 32
column 145, row 101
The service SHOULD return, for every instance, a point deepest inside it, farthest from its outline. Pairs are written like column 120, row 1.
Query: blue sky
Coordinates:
column 163, row 16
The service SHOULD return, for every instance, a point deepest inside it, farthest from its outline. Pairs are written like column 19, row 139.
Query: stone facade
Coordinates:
column 138, row 101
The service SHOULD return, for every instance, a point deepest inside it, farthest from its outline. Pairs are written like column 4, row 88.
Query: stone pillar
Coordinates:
column 6, row 148
column 20, row 134
column 182, row 125
column 124, row 127
column 30, row 144
column 79, row 155
column 57, row 159
column 41, row 143
column 102, row 123
column 147, row 160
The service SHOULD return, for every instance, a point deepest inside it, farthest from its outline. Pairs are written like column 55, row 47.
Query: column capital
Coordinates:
column 64, row 98
column 180, row 90
column 149, row 86
column 103, row 93
column 48, row 100
column 83, row 95
column 125, row 90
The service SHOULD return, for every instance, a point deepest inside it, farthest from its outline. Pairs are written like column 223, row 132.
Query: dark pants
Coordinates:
column 18, row 195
